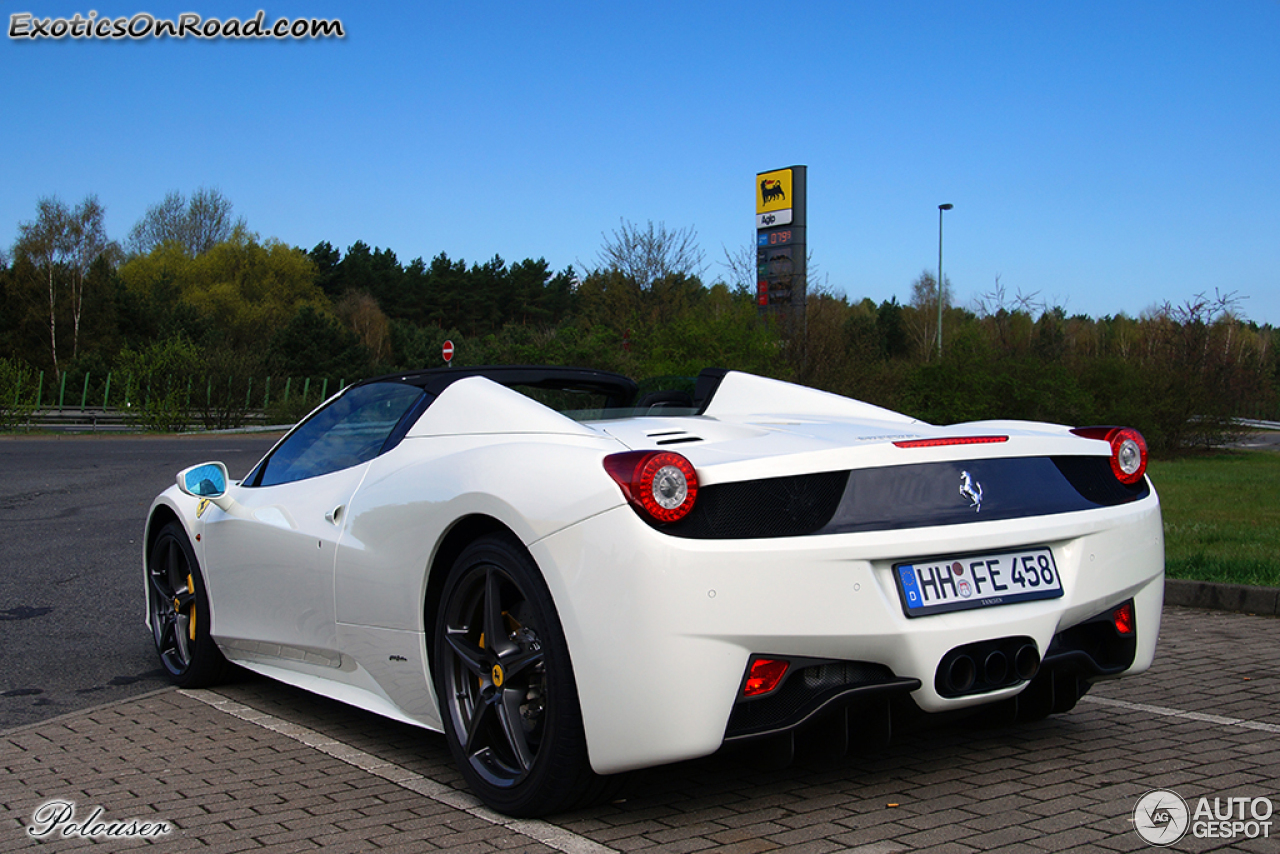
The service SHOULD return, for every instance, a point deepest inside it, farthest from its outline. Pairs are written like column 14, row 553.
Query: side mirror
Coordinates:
column 207, row 480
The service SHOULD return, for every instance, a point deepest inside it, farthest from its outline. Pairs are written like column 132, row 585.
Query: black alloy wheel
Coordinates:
column 506, row 686
column 179, row 610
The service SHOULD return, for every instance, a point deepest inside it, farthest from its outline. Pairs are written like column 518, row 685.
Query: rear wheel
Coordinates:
column 506, row 687
column 179, row 609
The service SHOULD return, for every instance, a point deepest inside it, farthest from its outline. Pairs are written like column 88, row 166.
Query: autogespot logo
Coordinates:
column 1162, row 817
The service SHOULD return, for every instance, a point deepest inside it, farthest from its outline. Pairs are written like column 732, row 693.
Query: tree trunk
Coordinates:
column 53, row 323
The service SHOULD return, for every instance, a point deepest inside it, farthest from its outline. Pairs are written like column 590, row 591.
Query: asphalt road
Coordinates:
column 72, row 510
column 1267, row 440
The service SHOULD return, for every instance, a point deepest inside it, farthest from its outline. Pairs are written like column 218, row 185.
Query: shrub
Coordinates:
column 17, row 392
column 158, row 384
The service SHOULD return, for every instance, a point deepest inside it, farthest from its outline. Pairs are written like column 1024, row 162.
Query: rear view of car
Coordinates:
column 572, row 579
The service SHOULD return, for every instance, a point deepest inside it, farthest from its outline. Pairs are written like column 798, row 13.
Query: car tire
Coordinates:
column 178, row 607
column 508, row 698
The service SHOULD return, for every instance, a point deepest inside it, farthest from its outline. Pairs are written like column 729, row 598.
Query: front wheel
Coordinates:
column 505, row 682
column 178, row 607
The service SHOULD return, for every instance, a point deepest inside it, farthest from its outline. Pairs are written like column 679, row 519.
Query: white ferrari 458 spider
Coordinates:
column 571, row 582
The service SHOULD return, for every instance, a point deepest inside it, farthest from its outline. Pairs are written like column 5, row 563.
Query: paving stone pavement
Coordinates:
column 257, row 766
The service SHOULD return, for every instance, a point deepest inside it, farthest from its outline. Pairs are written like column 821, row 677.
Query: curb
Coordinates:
column 1212, row 596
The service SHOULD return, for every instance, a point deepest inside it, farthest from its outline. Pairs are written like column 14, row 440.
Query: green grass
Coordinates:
column 1221, row 516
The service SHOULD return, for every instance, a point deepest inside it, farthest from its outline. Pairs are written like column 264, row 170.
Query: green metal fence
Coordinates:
column 216, row 401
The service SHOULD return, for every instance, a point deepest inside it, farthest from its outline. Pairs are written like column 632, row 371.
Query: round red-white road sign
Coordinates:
column 447, row 352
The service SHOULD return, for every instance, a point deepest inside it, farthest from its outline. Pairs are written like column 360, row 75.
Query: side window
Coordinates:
column 345, row 433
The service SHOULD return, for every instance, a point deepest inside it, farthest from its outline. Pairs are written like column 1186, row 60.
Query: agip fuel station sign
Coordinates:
column 774, row 194
column 780, row 244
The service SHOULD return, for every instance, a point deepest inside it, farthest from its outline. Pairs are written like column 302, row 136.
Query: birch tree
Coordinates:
column 45, row 241
column 924, row 320
column 86, row 239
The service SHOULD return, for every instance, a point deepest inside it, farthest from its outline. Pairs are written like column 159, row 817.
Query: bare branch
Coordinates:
column 997, row 300
column 741, row 265
column 196, row 225
column 647, row 255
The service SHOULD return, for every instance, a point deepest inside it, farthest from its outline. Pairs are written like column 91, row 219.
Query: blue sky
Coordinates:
column 1105, row 156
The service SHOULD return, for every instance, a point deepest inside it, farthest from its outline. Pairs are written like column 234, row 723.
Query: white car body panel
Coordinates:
column 745, row 395
column 411, row 499
column 476, row 406
column 660, row 628
column 690, row 613
column 274, row 582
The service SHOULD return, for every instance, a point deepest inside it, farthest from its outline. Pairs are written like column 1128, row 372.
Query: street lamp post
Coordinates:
column 948, row 206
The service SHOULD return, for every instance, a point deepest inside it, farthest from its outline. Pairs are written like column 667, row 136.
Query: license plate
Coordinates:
column 976, row 581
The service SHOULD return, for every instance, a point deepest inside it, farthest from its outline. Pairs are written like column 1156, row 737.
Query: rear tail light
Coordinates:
column 1123, row 619
column 661, row 485
column 764, row 675
column 1128, row 450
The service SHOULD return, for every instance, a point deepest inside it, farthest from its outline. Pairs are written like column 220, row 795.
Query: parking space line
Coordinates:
column 539, row 831
column 1179, row 713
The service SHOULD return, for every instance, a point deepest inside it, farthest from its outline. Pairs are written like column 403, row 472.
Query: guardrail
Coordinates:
column 95, row 419
column 97, row 391
column 102, row 420
column 1260, row 425
column 104, row 402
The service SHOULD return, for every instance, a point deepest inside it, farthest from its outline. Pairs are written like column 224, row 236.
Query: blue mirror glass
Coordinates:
column 207, row 481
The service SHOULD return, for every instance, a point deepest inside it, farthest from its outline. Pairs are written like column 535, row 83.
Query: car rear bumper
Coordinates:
column 661, row 650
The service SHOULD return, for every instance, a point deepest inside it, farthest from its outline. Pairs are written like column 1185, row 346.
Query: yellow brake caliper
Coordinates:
column 191, row 588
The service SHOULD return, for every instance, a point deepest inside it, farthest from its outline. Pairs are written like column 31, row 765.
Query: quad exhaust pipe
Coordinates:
column 976, row 668
column 1026, row 662
column 996, row 667
column 962, row 674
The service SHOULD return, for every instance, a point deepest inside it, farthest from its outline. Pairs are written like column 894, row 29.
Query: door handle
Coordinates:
column 334, row 516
